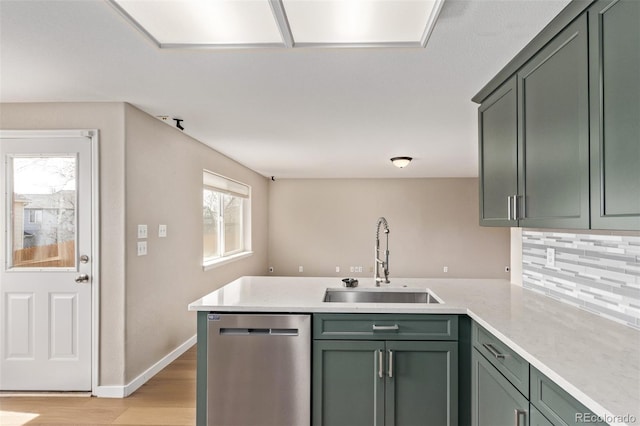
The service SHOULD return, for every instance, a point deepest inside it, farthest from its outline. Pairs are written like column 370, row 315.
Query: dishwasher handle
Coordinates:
column 259, row 331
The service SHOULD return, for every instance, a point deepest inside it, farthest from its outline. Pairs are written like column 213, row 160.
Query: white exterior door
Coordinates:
column 46, row 263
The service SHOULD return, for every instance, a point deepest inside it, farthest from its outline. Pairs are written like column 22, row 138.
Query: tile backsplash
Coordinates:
column 598, row 273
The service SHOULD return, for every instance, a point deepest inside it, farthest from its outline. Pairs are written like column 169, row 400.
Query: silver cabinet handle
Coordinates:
column 393, row 327
column 380, row 362
column 509, row 207
column 82, row 278
column 520, row 414
column 493, row 351
column 516, row 212
column 390, row 364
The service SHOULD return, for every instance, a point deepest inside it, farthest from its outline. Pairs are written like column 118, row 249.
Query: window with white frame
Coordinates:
column 225, row 216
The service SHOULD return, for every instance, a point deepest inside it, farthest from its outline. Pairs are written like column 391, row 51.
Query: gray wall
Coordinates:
column 164, row 186
column 150, row 173
column 323, row 223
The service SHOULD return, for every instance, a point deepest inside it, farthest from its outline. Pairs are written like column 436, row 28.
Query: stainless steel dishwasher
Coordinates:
column 258, row 370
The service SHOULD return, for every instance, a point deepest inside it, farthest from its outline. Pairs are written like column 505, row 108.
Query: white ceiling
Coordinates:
column 303, row 113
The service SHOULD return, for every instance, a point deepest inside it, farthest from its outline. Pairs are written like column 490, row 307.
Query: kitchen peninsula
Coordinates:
column 594, row 360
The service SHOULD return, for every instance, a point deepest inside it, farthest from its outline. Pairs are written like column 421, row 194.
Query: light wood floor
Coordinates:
column 169, row 398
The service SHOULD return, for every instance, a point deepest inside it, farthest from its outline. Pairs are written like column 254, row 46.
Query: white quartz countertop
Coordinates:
column 595, row 360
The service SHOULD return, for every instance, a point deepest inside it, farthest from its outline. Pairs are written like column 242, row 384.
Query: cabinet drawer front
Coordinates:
column 557, row 405
column 536, row 418
column 510, row 364
column 385, row 327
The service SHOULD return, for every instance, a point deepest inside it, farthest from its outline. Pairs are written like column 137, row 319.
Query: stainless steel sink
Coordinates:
column 370, row 295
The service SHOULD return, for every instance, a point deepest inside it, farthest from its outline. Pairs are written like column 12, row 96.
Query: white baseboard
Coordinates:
column 128, row 389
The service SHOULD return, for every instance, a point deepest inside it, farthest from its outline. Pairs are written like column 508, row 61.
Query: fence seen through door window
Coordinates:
column 43, row 211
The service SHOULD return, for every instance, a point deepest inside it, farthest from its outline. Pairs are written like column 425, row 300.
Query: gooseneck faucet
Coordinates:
column 379, row 262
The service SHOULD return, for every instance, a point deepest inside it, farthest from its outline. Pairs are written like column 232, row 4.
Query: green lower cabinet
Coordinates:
column 390, row 383
column 536, row 418
column 494, row 400
column 348, row 389
column 421, row 386
column 557, row 405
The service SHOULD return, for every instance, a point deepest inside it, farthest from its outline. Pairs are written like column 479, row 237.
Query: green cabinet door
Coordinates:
column 614, row 35
column 553, row 97
column 385, row 383
column 498, row 156
column 348, row 383
column 494, row 400
column 421, row 383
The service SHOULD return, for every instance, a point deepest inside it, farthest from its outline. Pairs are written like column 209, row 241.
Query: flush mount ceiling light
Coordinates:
column 401, row 162
column 283, row 23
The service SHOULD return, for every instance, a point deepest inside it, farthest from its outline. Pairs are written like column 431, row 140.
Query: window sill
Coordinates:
column 212, row 264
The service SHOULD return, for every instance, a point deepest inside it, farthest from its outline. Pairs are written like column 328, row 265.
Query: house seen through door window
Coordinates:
column 43, row 212
column 225, row 212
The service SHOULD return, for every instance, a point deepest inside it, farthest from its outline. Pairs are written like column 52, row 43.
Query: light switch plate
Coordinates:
column 142, row 248
column 162, row 231
column 142, row 231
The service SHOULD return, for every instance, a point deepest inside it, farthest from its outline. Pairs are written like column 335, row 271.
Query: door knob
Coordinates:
column 82, row 278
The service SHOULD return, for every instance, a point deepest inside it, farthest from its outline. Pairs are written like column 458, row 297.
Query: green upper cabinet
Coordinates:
column 534, row 139
column 575, row 112
column 614, row 32
column 553, row 142
column 498, row 154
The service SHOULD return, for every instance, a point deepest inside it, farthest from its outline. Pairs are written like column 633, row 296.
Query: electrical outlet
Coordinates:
column 358, row 268
column 162, row 231
column 445, row 269
column 300, row 269
column 271, row 269
column 351, row 269
column 142, row 231
column 337, row 269
column 551, row 256
column 142, row 248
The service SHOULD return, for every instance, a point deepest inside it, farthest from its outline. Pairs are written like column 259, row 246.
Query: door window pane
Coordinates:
column 44, row 211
